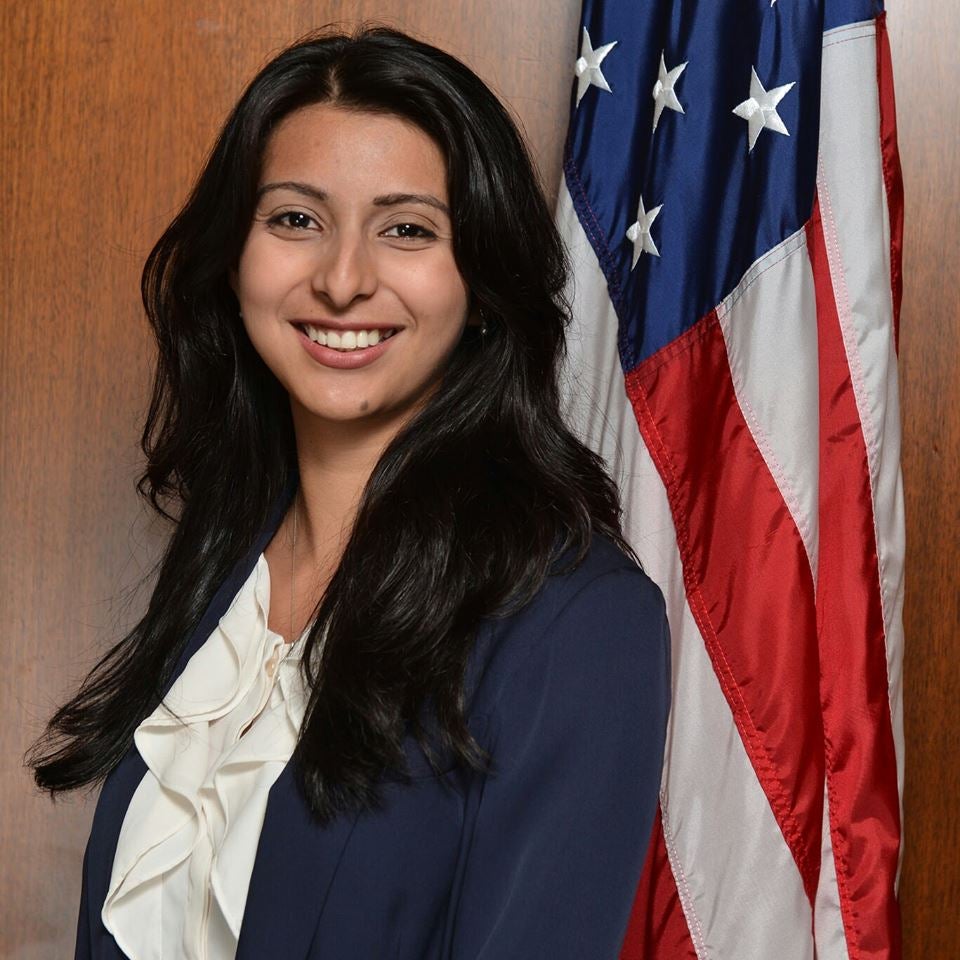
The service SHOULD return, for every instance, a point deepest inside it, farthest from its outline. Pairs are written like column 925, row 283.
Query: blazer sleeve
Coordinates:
column 83, row 949
column 562, row 825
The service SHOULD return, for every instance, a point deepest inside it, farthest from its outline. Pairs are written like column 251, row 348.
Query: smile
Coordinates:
column 349, row 355
column 346, row 340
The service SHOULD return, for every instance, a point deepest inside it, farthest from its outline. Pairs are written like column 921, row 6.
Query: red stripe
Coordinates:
column 892, row 177
column 861, row 763
column 657, row 929
column 746, row 574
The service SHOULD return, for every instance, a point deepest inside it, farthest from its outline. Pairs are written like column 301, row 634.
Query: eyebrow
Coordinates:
column 384, row 200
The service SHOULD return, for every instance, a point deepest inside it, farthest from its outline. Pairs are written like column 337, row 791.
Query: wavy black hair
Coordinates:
column 466, row 512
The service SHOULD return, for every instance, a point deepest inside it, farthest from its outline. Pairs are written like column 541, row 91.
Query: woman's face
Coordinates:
column 347, row 282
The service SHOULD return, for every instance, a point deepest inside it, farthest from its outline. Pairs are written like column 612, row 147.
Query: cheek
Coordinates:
column 263, row 275
column 437, row 296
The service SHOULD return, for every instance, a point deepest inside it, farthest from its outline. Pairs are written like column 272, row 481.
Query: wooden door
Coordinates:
column 107, row 112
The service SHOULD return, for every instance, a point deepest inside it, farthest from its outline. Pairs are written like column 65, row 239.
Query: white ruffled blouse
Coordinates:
column 213, row 749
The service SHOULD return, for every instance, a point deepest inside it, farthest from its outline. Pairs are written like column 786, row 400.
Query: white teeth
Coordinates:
column 346, row 340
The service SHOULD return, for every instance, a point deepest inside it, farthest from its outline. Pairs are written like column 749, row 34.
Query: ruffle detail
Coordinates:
column 194, row 822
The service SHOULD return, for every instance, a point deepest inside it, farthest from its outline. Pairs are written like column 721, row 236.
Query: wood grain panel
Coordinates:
column 107, row 112
column 926, row 62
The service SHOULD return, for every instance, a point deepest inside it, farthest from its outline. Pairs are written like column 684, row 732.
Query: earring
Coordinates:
column 483, row 323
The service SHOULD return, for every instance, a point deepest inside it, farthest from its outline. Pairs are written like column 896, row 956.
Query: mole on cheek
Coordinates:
column 364, row 406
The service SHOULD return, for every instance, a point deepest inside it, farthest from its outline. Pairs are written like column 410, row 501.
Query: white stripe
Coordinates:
column 853, row 205
column 828, row 929
column 769, row 325
column 738, row 883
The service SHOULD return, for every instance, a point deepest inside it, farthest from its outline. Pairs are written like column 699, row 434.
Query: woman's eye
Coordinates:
column 291, row 219
column 410, row 231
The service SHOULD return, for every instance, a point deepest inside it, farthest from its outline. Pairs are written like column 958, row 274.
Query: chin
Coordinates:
column 338, row 412
column 357, row 406
column 341, row 409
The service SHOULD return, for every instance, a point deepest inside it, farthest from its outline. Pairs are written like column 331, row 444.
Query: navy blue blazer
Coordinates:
column 539, row 859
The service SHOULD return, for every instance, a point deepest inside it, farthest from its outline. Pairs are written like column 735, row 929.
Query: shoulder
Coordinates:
column 604, row 614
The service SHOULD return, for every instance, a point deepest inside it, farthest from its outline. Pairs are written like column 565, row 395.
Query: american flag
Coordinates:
column 733, row 208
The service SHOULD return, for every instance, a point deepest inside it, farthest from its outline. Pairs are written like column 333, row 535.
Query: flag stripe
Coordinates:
column 769, row 327
column 829, row 934
column 746, row 573
column 860, row 756
column 657, row 929
column 888, row 489
column 892, row 176
column 852, row 129
column 863, row 256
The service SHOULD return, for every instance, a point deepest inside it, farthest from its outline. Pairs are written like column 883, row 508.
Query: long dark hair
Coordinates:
column 468, row 509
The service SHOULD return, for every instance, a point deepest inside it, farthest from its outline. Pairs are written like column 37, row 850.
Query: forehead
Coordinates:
column 334, row 146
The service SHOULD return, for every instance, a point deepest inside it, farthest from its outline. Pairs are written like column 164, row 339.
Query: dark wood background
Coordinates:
column 926, row 69
column 107, row 112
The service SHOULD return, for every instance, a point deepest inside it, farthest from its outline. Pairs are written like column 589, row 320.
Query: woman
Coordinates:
column 401, row 689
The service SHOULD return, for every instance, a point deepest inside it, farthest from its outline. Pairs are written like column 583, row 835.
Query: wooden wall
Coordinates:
column 107, row 111
column 926, row 67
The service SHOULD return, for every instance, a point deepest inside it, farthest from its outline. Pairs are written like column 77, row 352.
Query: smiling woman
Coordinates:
column 349, row 261
column 401, row 689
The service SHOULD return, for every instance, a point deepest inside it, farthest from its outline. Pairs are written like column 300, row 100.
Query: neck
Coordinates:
column 335, row 460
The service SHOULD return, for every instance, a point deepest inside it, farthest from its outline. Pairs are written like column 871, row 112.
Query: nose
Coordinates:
column 345, row 270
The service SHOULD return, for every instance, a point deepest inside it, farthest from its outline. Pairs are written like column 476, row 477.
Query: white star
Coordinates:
column 663, row 94
column 760, row 108
column 638, row 233
column 587, row 67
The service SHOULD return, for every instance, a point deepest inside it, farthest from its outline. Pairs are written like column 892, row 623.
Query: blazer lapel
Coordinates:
column 294, row 868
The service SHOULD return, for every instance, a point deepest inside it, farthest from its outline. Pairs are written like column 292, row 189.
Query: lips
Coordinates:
column 346, row 338
column 342, row 357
